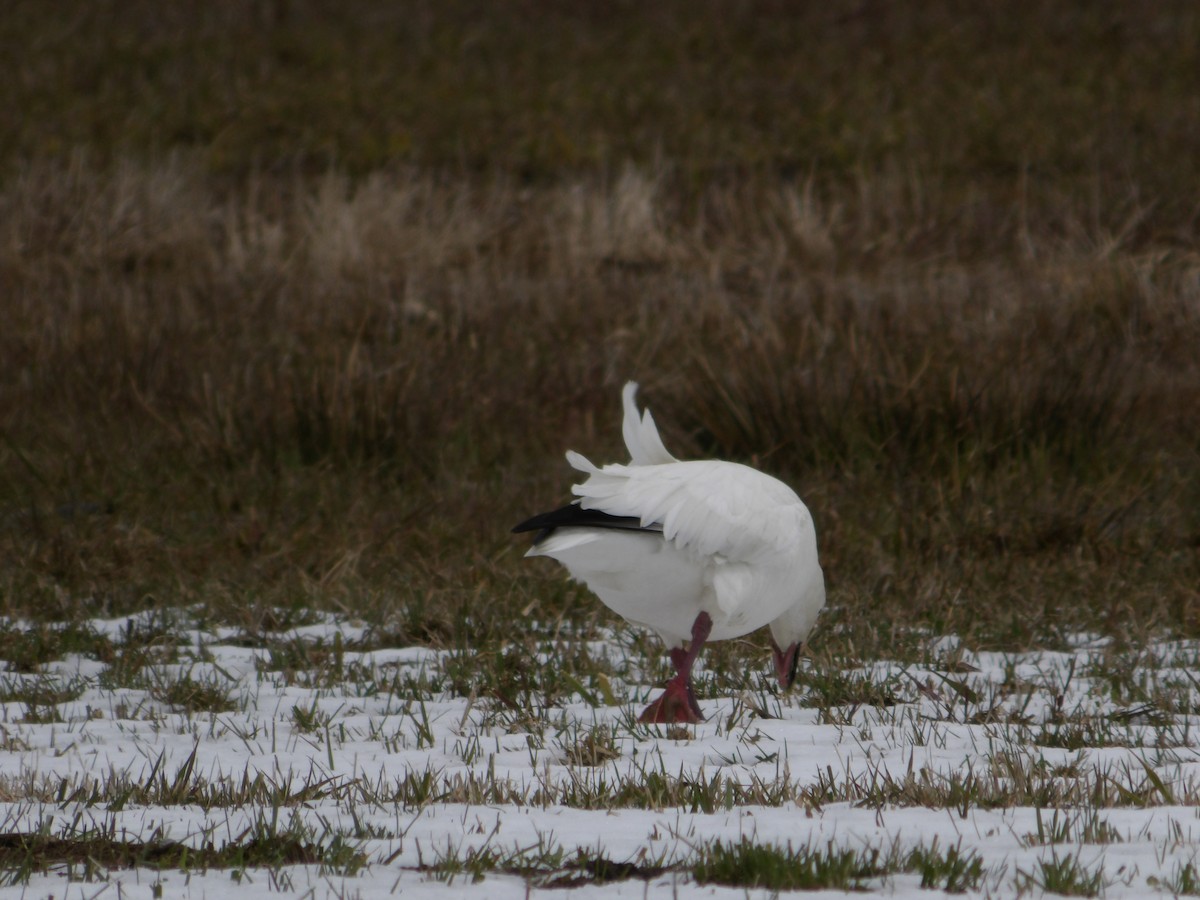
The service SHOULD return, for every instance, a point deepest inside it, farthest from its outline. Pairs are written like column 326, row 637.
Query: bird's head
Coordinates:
column 786, row 659
column 790, row 630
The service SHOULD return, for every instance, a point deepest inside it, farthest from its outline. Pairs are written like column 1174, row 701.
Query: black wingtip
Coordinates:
column 535, row 523
column 575, row 516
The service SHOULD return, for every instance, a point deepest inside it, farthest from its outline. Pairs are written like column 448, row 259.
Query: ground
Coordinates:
column 375, row 771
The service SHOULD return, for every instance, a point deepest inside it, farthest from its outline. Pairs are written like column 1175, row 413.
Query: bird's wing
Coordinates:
column 641, row 434
column 715, row 508
column 730, row 516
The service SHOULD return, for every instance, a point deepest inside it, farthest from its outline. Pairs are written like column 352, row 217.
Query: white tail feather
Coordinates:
column 641, row 435
column 581, row 463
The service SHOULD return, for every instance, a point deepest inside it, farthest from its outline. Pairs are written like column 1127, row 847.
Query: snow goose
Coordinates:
column 697, row 551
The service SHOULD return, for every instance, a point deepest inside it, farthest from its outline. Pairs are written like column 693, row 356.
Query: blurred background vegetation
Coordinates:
column 302, row 301
column 1023, row 94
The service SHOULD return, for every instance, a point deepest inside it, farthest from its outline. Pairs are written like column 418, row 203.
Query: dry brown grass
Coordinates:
column 341, row 393
column 303, row 301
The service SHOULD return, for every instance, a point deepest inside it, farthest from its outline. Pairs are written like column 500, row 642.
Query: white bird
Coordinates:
column 701, row 550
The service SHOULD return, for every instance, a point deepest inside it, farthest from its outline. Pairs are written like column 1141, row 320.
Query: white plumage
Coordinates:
column 663, row 543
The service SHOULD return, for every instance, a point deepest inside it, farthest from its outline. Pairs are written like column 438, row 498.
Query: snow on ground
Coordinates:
column 347, row 763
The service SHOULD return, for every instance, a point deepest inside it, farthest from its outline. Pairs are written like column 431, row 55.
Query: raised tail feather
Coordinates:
column 641, row 435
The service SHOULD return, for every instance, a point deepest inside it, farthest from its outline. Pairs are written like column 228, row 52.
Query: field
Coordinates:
column 302, row 304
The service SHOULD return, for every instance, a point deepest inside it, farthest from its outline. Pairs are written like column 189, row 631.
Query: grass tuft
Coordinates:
column 210, row 693
column 749, row 864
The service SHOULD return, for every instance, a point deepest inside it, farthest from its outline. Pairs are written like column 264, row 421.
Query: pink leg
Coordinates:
column 678, row 701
